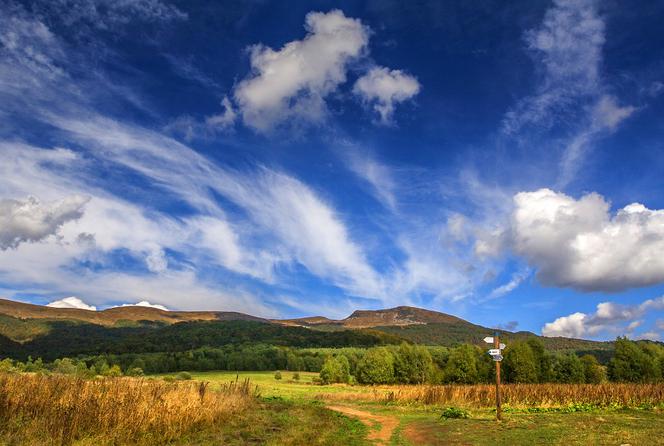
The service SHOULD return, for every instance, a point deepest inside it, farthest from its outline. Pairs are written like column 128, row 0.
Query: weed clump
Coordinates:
column 454, row 412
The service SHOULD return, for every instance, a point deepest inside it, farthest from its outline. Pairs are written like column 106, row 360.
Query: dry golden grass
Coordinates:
column 516, row 395
column 61, row 410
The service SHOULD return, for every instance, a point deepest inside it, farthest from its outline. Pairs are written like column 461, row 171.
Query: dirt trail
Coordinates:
column 386, row 423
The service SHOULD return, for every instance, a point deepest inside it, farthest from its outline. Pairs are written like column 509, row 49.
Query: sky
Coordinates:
column 502, row 162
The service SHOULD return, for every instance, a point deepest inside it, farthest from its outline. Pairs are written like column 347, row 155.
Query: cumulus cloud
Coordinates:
column 71, row 302
column 145, row 303
column 384, row 88
column 30, row 220
column 579, row 244
column 608, row 317
column 295, row 80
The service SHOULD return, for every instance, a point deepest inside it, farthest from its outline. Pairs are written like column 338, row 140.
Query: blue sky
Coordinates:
column 502, row 163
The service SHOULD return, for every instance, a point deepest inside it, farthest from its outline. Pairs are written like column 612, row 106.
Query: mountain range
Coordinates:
column 22, row 323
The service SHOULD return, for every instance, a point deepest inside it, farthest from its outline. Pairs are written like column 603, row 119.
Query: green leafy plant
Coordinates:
column 454, row 412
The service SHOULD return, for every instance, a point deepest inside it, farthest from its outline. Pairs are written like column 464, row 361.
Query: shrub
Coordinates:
column 454, row 412
column 183, row 376
column 296, row 376
column 277, row 375
column 135, row 371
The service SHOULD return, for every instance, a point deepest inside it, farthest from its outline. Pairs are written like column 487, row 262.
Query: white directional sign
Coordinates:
column 494, row 352
column 497, row 358
column 489, row 339
column 502, row 346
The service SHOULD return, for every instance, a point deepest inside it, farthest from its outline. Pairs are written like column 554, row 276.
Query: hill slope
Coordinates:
column 20, row 322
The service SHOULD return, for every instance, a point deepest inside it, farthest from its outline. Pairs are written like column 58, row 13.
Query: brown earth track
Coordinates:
column 386, row 424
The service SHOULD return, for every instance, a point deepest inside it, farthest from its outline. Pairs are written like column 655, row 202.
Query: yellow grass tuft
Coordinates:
column 515, row 395
column 60, row 410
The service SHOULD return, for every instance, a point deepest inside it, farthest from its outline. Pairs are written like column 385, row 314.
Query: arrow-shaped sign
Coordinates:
column 502, row 346
column 489, row 339
column 494, row 352
column 497, row 358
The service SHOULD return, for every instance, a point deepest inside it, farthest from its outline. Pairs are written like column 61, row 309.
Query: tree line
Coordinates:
column 524, row 362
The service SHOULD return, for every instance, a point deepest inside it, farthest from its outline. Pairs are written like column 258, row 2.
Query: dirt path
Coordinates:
column 381, row 426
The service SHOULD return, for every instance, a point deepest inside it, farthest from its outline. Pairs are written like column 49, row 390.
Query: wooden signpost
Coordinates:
column 496, row 355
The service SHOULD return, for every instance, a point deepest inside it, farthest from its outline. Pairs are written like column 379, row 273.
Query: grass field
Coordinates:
column 254, row 408
column 413, row 423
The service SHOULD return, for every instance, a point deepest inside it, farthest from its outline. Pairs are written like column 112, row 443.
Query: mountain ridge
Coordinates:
column 22, row 322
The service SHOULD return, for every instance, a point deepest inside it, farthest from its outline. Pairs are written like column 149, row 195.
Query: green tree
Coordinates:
column 413, row 364
column 520, row 365
column 631, row 364
column 543, row 362
column 376, row 367
column 336, row 369
column 569, row 369
column 461, row 366
column 593, row 372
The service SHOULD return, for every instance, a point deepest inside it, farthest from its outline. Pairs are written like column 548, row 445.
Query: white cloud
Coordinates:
column 571, row 326
column 384, row 89
column 604, row 117
column 608, row 318
column 579, row 244
column 568, row 48
column 295, row 80
column 223, row 120
column 156, row 261
column 145, row 303
column 71, row 302
column 515, row 281
column 191, row 128
column 570, row 94
column 30, row 220
column 376, row 174
column 649, row 335
column 607, row 114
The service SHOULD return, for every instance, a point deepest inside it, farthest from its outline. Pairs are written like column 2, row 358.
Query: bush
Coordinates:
column 183, row 376
column 296, row 376
column 277, row 375
column 454, row 412
column 135, row 371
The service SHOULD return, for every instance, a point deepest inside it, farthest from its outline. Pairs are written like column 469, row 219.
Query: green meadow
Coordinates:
column 412, row 423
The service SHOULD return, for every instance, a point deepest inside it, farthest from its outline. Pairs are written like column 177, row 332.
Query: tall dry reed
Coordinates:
column 60, row 410
column 516, row 395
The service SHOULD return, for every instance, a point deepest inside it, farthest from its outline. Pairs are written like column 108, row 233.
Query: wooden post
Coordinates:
column 496, row 344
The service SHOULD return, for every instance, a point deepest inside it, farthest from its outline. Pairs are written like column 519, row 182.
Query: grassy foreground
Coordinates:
column 254, row 408
column 609, row 414
column 63, row 410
